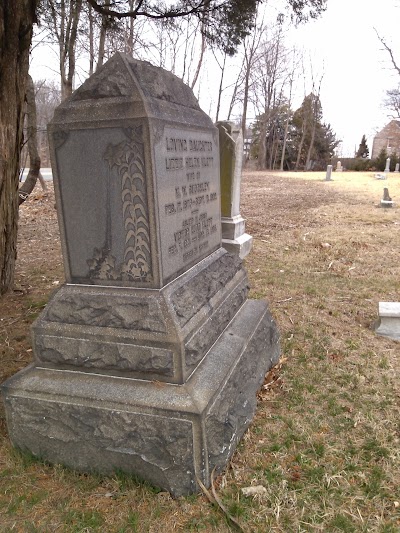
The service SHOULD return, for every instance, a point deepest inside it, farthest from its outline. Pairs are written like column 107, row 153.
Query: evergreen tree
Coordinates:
column 363, row 150
column 312, row 140
column 380, row 161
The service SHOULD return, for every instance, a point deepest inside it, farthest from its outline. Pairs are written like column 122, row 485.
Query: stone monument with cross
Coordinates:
column 148, row 359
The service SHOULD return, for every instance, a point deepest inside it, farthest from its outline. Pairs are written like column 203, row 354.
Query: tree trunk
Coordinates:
column 200, row 62
column 102, row 39
column 220, row 89
column 262, row 150
column 311, row 147
column 34, row 158
column 285, row 135
column 16, row 22
column 303, row 135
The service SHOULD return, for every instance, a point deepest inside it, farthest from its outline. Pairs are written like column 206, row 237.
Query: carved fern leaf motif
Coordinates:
column 128, row 159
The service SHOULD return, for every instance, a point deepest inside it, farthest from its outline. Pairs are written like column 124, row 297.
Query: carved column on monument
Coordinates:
column 234, row 237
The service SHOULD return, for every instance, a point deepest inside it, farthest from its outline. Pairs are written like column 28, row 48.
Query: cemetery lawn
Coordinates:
column 324, row 447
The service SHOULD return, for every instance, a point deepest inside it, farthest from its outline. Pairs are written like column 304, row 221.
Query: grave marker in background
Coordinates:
column 234, row 237
column 328, row 176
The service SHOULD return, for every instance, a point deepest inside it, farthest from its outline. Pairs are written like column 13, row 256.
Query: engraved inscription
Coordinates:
column 192, row 197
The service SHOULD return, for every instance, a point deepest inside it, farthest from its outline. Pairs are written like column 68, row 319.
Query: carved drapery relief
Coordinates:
column 127, row 158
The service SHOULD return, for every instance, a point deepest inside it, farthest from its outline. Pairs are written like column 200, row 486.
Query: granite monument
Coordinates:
column 149, row 357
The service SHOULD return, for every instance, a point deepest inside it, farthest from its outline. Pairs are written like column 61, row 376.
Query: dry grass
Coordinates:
column 325, row 441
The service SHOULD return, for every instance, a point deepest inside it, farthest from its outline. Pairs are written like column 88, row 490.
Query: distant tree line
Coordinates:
column 300, row 140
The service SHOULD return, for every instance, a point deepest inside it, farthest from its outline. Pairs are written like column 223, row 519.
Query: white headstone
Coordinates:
column 328, row 173
column 387, row 168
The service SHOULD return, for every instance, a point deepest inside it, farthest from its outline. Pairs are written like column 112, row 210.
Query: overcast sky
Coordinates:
column 343, row 45
column 357, row 70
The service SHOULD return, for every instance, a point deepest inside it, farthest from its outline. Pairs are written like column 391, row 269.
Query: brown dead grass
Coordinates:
column 325, row 440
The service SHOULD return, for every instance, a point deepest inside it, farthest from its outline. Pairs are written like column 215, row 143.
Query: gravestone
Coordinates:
column 328, row 176
column 386, row 200
column 234, row 237
column 389, row 320
column 387, row 167
column 149, row 358
column 339, row 166
column 397, row 167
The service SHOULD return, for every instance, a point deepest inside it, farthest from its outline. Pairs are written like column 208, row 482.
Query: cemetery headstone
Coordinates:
column 387, row 167
column 397, row 167
column 234, row 237
column 149, row 358
column 386, row 200
column 389, row 320
column 339, row 166
column 328, row 176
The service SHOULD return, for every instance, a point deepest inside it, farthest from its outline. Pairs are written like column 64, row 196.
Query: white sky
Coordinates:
column 357, row 70
column 342, row 44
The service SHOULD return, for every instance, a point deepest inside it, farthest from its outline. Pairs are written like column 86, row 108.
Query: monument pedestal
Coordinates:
column 234, row 238
column 80, row 404
column 168, row 435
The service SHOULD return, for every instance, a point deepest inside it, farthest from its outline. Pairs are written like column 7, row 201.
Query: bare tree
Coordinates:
column 269, row 74
column 392, row 100
column 34, row 158
column 62, row 19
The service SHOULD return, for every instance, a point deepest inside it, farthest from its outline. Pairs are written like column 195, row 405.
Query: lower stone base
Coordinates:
column 168, row 434
column 240, row 246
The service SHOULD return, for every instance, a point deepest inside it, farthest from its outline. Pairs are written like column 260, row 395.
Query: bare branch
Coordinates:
column 204, row 6
column 389, row 50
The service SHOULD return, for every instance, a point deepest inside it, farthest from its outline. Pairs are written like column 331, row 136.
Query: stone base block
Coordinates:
column 168, row 434
column 389, row 320
column 233, row 227
column 240, row 246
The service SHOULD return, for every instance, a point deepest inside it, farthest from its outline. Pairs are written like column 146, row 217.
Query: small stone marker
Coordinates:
column 387, row 167
column 386, row 200
column 149, row 358
column 339, row 166
column 397, row 167
column 328, row 176
column 234, row 238
column 389, row 320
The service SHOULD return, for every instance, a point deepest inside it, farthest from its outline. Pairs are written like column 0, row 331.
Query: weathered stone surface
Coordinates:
column 207, row 334
column 163, row 333
column 156, row 448
column 166, row 434
column 232, row 412
column 95, row 309
column 102, row 355
column 188, row 300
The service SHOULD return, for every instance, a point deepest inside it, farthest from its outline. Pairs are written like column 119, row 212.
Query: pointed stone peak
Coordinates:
column 123, row 76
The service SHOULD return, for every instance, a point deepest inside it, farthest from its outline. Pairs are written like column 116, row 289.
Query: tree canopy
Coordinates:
column 310, row 142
